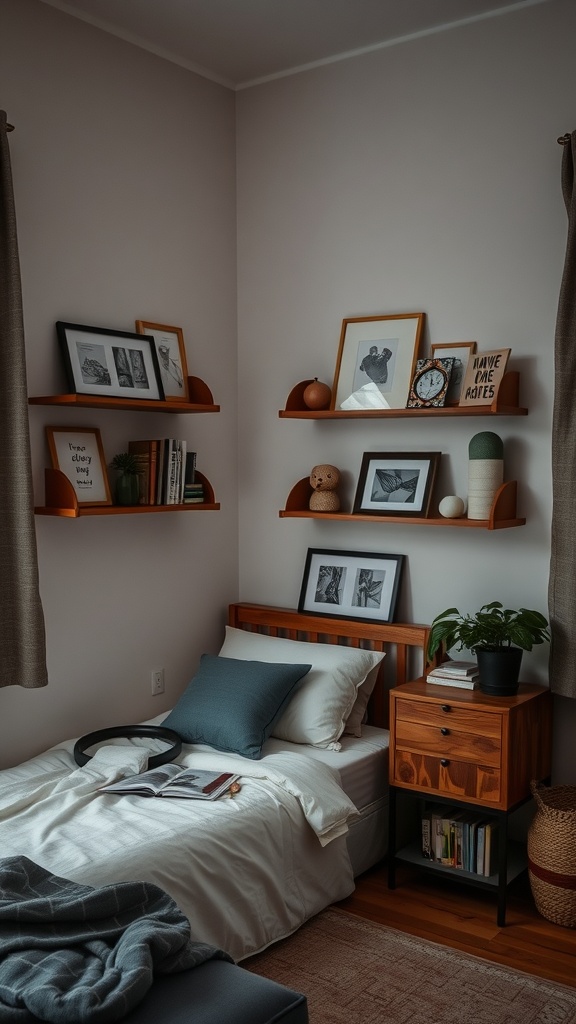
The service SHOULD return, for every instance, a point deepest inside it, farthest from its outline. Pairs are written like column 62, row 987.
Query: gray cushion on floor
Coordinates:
column 218, row 992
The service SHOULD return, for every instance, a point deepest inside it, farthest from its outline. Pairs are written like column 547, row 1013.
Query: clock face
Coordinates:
column 430, row 383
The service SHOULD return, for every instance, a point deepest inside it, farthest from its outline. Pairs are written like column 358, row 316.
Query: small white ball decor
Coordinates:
column 451, row 507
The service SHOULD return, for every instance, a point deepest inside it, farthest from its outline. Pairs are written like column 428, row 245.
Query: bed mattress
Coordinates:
column 362, row 769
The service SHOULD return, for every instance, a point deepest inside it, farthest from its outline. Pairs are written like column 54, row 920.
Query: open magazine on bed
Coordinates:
column 177, row 781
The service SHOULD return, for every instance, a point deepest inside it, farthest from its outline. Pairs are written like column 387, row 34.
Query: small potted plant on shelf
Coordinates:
column 127, row 487
column 497, row 636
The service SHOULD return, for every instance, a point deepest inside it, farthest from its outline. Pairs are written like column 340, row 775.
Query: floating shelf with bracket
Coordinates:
column 502, row 514
column 505, row 404
column 61, row 501
column 201, row 400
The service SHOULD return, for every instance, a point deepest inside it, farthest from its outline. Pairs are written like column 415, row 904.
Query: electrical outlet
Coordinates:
column 157, row 680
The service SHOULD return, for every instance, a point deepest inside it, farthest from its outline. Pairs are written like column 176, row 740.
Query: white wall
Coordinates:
column 423, row 177
column 123, row 168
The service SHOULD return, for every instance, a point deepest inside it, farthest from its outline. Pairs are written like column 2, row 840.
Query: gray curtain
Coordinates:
column 562, row 586
column 22, row 636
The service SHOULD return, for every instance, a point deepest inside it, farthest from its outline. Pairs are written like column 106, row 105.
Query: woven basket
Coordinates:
column 552, row 853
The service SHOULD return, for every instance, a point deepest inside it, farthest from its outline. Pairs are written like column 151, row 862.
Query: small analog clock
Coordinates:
column 430, row 383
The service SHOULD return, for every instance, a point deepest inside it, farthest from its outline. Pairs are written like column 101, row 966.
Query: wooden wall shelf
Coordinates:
column 61, row 501
column 502, row 515
column 201, row 400
column 505, row 404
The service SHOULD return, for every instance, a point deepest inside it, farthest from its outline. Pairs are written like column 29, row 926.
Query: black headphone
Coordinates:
column 156, row 732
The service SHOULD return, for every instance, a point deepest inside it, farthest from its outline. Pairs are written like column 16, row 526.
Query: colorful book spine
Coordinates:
column 427, row 851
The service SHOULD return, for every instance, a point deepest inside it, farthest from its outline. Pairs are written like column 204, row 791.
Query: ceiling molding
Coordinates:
column 147, row 44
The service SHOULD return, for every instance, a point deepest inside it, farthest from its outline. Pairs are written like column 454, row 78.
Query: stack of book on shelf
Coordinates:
column 193, row 489
column 455, row 673
column 165, row 469
column 459, row 839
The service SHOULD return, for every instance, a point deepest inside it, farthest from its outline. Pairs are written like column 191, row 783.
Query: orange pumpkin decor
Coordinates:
column 317, row 395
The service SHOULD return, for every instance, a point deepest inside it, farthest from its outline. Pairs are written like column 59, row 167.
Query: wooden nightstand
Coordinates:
column 468, row 750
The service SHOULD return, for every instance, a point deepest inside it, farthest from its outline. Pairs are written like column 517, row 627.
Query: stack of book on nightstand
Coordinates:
column 455, row 673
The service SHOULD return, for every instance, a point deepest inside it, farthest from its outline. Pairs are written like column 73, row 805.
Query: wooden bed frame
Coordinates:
column 404, row 643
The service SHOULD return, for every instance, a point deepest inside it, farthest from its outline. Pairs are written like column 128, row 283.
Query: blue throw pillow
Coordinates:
column 233, row 705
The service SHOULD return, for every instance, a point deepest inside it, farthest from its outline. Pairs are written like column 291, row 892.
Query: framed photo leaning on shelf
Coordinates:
column 171, row 354
column 351, row 584
column 460, row 352
column 109, row 363
column 78, row 453
column 396, row 483
column 376, row 361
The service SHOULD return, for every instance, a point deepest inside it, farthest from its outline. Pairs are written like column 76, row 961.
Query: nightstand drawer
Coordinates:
column 450, row 715
column 446, row 740
column 423, row 772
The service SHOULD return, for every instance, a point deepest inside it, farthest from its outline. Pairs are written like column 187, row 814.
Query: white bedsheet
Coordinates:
column 246, row 870
column 361, row 763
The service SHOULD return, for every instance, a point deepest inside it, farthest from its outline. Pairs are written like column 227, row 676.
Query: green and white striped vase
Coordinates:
column 485, row 473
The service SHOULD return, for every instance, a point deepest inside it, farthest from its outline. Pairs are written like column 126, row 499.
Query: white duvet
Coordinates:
column 246, row 870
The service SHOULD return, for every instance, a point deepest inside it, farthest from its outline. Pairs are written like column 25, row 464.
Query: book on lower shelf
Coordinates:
column 437, row 833
column 175, row 780
column 459, row 839
column 427, row 841
column 490, row 844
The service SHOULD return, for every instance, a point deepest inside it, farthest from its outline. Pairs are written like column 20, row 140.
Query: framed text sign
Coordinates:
column 78, row 453
column 483, row 377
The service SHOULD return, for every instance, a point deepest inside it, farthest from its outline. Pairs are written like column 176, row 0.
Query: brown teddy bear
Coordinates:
column 324, row 480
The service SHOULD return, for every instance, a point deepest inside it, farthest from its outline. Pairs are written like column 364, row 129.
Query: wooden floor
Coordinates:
column 465, row 918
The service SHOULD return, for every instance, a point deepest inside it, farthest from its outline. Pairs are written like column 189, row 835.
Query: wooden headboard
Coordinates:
column 404, row 643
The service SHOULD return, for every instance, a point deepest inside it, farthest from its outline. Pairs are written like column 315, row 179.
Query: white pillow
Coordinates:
column 353, row 726
column 318, row 712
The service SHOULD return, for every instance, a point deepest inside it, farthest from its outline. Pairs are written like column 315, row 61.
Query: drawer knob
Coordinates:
column 445, row 732
column 444, row 762
column 446, row 707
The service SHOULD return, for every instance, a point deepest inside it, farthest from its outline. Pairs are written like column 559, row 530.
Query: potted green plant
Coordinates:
column 497, row 636
column 127, row 487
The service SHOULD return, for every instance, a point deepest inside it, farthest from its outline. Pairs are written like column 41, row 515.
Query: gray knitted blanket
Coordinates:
column 73, row 953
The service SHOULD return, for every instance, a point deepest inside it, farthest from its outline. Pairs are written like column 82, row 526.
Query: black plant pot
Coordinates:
column 499, row 670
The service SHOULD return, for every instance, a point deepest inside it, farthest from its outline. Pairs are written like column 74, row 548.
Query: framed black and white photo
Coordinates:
column 460, row 352
column 171, row 353
column 351, row 584
column 78, row 453
column 109, row 363
column 396, row 483
column 376, row 361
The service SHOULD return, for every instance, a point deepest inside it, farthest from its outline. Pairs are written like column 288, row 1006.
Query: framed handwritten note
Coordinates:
column 483, row 377
column 78, row 453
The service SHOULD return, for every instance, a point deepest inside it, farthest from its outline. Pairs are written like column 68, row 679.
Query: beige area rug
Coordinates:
column 356, row 972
